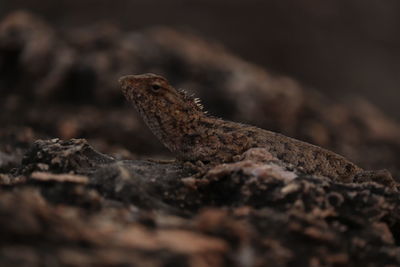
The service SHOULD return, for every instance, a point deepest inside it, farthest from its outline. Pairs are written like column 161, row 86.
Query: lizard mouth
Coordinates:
column 123, row 81
column 126, row 88
column 131, row 86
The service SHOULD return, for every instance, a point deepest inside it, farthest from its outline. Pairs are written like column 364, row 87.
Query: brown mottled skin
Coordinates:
column 180, row 124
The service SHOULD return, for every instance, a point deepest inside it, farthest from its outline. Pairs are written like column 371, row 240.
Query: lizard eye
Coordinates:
column 155, row 87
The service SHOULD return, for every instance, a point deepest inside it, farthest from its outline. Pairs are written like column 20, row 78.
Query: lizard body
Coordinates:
column 180, row 124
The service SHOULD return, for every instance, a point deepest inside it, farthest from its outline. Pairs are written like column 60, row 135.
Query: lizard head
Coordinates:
column 145, row 88
column 162, row 107
column 150, row 92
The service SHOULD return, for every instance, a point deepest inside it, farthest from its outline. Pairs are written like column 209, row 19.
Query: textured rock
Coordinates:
column 248, row 213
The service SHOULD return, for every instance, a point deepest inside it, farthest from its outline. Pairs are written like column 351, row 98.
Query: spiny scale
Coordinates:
column 191, row 98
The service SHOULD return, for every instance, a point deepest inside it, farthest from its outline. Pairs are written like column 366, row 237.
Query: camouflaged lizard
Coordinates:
column 180, row 123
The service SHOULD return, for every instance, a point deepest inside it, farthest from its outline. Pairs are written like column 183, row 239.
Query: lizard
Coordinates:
column 180, row 123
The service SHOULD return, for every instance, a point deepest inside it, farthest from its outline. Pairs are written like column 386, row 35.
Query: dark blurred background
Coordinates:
column 342, row 47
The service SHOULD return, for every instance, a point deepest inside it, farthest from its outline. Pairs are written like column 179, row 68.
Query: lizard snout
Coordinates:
column 124, row 81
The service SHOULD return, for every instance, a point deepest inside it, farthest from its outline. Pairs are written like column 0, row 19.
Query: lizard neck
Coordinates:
column 177, row 131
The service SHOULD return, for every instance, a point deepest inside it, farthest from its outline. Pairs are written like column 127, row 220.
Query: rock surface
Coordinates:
column 62, row 202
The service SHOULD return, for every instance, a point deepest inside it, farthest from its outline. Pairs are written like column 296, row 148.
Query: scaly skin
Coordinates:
column 180, row 124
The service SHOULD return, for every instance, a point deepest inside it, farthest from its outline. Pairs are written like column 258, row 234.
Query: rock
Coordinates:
column 236, row 214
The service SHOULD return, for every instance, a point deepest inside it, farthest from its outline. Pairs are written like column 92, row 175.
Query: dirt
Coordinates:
column 77, row 186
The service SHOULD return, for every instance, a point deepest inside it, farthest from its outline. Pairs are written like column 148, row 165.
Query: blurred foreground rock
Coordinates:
column 65, row 203
column 107, row 212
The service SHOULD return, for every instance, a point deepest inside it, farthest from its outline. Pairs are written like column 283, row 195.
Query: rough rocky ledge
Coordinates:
column 68, row 204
